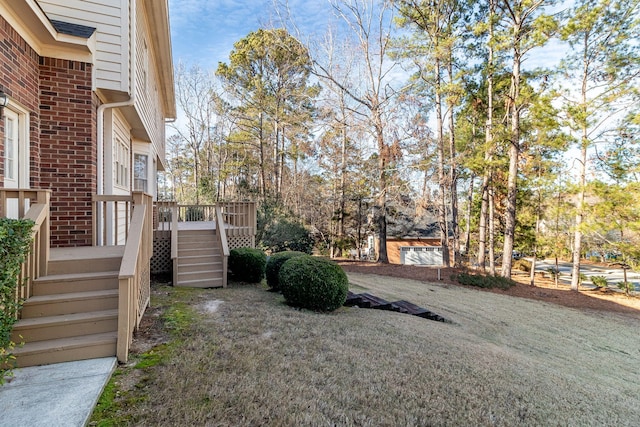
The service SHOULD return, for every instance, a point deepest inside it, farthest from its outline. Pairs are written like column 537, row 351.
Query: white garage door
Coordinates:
column 421, row 255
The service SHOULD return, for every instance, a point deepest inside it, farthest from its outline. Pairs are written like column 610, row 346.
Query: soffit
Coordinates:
column 30, row 21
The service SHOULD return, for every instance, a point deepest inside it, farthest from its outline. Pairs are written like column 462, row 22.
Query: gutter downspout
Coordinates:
column 103, row 107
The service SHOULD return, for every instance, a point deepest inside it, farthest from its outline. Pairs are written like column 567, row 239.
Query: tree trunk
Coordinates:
column 514, row 157
column 453, row 177
column 492, row 229
column 467, row 231
column 484, row 207
column 442, row 210
column 577, row 242
column 381, row 201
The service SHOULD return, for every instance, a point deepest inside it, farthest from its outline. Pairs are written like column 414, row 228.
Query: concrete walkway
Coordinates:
column 61, row 395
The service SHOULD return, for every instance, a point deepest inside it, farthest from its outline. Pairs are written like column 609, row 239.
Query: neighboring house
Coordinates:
column 90, row 87
column 419, row 246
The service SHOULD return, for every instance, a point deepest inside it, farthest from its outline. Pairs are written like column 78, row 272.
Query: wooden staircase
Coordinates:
column 200, row 261
column 73, row 313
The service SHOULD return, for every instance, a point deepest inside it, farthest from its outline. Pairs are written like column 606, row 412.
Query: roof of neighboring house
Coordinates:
column 423, row 231
column 73, row 29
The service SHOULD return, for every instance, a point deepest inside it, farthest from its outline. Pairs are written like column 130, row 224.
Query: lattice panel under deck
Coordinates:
column 242, row 242
column 161, row 259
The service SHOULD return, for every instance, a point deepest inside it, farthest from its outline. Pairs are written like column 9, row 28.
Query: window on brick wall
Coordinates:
column 121, row 164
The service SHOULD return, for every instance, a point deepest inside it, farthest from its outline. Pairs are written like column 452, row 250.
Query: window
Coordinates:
column 140, row 173
column 10, row 143
column 121, row 163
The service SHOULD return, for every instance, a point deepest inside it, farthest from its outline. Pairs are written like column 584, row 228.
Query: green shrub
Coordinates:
column 599, row 281
column 627, row 287
column 247, row 264
column 522, row 265
column 15, row 241
column 313, row 283
column 274, row 263
column 287, row 235
column 482, row 281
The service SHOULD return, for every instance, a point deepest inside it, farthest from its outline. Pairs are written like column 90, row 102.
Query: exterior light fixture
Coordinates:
column 4, row 101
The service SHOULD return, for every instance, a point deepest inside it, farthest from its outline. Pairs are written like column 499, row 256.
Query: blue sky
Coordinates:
column 203, row 31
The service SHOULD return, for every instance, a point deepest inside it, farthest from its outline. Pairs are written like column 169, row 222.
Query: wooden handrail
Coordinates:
column 133, row 278
column 35, row 264
column 222, row 241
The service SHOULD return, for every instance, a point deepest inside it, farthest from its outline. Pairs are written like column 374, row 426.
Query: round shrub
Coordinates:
column 287, row 235
column 313, row 283
column 274, row 263
column 247, row 264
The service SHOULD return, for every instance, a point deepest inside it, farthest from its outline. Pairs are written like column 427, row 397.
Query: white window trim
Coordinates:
column 146, row 177
column 121, row 162
column 24, row 142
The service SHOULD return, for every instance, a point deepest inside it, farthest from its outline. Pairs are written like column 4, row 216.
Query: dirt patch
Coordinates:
column 544, row 290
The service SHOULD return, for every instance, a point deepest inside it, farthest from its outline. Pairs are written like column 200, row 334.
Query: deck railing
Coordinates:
column 111, row 216
column 134, row 277
column 224, row 246
column 36, row 204
column 240, row 218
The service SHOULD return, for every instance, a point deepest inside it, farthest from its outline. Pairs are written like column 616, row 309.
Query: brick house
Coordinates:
column 88, row 87
column 87, row 102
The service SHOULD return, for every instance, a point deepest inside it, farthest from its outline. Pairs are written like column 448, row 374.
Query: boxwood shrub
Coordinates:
column 313, row 283
column 274, row 263
column 247, row 264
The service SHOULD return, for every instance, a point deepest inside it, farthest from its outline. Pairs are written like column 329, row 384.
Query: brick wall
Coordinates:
column 19, row 78
column 68, row 148
column 62, row 131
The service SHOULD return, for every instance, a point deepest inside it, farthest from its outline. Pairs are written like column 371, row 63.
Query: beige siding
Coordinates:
column 148, row 102
column 111, row 19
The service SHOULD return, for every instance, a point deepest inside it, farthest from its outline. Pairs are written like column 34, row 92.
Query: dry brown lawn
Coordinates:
column 251, row 360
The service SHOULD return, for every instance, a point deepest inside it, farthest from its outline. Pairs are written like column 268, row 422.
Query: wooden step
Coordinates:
column 196, row 265
column 186, row 276
column 87, row 259
column 196, row 234
column 66, row 349
column 197, row 245
column 204, row 236
column 65, row 326
column 197, row 252
column 79, row 282
column 70, row 303
column 212, row 282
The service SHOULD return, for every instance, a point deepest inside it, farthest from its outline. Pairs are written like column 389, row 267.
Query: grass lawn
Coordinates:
column 240, row 356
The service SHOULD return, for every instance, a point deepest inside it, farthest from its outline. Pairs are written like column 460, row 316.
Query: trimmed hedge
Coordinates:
column 313, row 283
column 15, row 241
column 482, row 281
column 274, row 263
column 247, row 264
